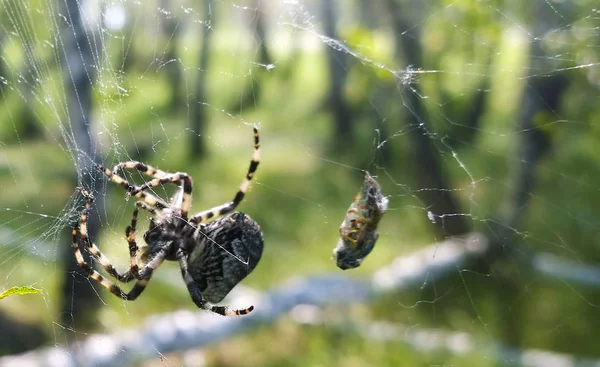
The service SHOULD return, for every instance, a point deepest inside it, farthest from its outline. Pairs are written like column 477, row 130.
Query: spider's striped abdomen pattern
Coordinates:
column 217, row 269
column 213, row 257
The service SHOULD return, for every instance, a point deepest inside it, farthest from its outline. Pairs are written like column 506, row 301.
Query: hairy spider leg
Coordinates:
column 196, row 294
column 130, row 236
column 142, row 276
column 239, row 196
column 148, row 198
column 171, row 178
column 143, row 205
column 81, row 228
column 133, row 247
column 178, row 199
column 142, row 167
column 91, row 247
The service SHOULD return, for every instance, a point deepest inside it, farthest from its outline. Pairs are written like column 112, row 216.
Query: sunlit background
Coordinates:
column 479, row 119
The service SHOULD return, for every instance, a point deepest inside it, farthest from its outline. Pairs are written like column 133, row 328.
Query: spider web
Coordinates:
column 476, row 117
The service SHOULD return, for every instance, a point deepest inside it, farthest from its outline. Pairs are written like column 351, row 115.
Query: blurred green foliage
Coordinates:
column 301, row 192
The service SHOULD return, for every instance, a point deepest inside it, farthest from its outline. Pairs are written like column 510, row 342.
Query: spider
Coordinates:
column 213, row 257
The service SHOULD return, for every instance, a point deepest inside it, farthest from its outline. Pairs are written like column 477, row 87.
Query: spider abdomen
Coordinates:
column 225, row 252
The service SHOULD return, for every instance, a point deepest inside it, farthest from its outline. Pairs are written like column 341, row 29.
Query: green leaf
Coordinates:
column 19, row 290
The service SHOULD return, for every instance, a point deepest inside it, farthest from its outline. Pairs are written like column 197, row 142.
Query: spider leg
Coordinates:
column 81, row 228
column 197, row 295
column 148, row 198
column 239, row 196
column 91, row 247
column 142, row 167
column 144, row 205
column 132, row 244
column 155, row 173
column 171, row 178
column 139, row 286
column 147, row 270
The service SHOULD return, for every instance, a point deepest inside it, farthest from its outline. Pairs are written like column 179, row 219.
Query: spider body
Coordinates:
column 218, row 257
column 358, row 231
column 217, row 269
column 213, row 257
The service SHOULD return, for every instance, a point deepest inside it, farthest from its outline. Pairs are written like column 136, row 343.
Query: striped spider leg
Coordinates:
column 142, row 277
column 182, row 200
column 163, row 177
column 228, row 207
column 147, row 202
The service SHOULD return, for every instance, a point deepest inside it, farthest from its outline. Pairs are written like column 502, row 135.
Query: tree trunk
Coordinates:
column 30, row 130
column 80, row 300
column 368, row 14
column 170, row 31
column 437, row 195
column 251, row 94
column 261, row 33
column 336, row 61
column 542, row 96
column 197, row 115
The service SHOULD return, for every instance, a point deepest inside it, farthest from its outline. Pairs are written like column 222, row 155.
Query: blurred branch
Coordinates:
column 184, row 330
column 426, row 340
column 566, row 270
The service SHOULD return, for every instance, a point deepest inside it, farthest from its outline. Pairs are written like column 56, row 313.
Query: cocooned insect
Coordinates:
column 358, row 231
